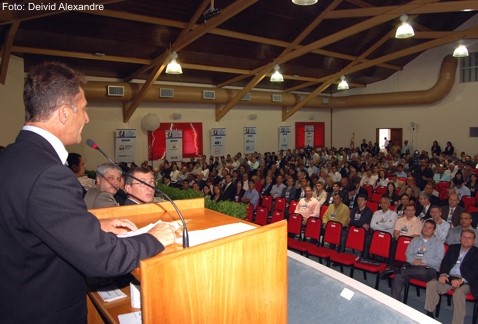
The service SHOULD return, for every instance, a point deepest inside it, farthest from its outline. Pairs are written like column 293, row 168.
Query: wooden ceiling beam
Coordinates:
column 185, row 39
column 7, row 50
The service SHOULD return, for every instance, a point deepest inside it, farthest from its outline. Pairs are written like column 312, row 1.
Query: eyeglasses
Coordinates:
column 151, row 183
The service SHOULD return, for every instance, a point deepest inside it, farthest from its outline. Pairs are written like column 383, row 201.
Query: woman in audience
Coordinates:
column 436, row 149
column 472, row 184
column 449, row 149
column 207, row 192
column 382, row 180
column 391, row 193
column 217, row 193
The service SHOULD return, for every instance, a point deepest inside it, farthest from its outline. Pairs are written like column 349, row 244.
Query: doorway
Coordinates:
column 393, row 135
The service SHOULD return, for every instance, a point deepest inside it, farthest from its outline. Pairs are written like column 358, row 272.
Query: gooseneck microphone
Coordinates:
column 93, row 145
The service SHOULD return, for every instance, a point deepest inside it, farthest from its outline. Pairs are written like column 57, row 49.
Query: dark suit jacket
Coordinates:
column 468, row 267
column 455, row 218
column 419, row 210
column 230, row 192
column 49, row 242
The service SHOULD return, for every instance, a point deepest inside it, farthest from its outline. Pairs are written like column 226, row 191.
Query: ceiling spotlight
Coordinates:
column 343, row 85
column 174, row 67
column 461, row 50
column 277, row 76
column 404, row 30
column 304, row 2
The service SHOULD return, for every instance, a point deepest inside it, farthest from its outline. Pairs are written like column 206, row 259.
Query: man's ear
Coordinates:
column 63, row 114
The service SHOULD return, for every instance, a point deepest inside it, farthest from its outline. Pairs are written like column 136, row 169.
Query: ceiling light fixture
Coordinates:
column 174, row 67
column 343, row 85
column 404, row 30
column 461, row 50
column 304, row 2
column 277, row 76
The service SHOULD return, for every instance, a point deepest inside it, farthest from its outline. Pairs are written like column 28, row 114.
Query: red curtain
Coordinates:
column 319, row 134
column 192, row 140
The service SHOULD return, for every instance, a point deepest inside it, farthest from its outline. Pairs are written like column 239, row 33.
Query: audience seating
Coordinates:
column 262, row 214
column 372, row 205
column 355, row 242
column 379, row 248
column 266, row 202
column 369, row 190
column 292, row 206
column 279, row 204
column 380, row 190
column 323, row 209
column 468, row 201
column 277, row 216
column 376, row 197
column 311, row 234
column 332, row 235
column 250, row 213
column 294, row 226
column 400, row 256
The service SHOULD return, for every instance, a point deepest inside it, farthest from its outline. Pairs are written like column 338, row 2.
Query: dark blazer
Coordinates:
column 49, row 242
column 455, row 218
column 467, row 268
column 419, row 210
column 229, row 193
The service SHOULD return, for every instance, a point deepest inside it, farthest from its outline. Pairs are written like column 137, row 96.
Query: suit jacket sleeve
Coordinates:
column 59, row 218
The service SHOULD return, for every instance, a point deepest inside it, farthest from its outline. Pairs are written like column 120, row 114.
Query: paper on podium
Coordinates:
column 214, row 233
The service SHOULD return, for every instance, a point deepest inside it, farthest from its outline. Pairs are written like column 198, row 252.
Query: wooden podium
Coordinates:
column 237, row 279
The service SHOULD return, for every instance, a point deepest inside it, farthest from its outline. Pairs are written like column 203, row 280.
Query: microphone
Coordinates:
column 94, row 146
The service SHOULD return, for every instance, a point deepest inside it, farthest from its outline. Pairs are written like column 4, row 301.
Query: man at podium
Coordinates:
column 49, row 242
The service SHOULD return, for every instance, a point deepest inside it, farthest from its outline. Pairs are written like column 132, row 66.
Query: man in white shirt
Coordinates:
column 384, row 219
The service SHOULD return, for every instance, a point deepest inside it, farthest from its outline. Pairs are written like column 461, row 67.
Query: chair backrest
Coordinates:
column 250, row 213
column 401, row 249
column 355, row 238
column 333, row 233
column 380, row 245
column 267, row 202
column 294, row 224
column 380, row 190
column 376, row 197
column 372, row 205
column 313, row 228
column 292, row 206
column 261, row 216
column 369, row 190
column 277, row 216
column 280, row 204
column 323, row 209
column 468, row 201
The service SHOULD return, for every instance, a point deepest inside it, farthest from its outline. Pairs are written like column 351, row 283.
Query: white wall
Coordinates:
column 448, row 119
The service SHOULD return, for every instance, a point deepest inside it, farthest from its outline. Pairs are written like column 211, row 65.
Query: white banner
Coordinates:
column 249, row 139
column 125, row 145
column 218, row 141
column 309, row 136
column 174, row 145
column 284, row 138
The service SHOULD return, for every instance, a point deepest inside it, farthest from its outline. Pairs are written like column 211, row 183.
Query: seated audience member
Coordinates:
column 76, row 163
column 461, row 189
column 404, row 202
column 300, row 191
column 440, row 175
column 472, row 184
column 338, row 212
column 410, row 225
column 442, row 227
column 385, row 218
column 267, row 186
column 319, row 193
column 429, row 187
column 454, row 233
column 206, row 190
column 336, row 188
column 410, row 183
column 451, row 212
column 228, row 189
column 399, row 172
column 217, row 194
column 239, row 193
column 369, row 179
column 424, row 253
column 251, row 196
column 276, row 190
column 390, row 193
column 308, row 206
column 457, row 272
column 423, row 209
column 139, row 193
column 108, row 179
column 382, row 180
column 361, row 216
column 289, row 192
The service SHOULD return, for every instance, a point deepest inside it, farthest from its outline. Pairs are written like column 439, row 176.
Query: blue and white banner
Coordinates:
column 125, row 145
column 218, row 142
column 284, row 137
column 309, row 135
column 174, row 145
column 249, row 139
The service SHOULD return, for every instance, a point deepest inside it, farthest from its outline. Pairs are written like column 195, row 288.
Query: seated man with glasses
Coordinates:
column 108, row 179
column 139, row 193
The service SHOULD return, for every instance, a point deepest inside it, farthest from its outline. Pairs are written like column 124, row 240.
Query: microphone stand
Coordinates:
column 156, row 190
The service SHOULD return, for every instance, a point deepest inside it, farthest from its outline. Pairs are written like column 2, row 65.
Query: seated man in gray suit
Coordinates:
column 108, row 179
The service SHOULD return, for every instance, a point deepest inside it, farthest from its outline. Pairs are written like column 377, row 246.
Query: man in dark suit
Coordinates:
column 229, row 188
column 423, row 208
column 458, row 272
column 49, row 243
column 451, row 212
